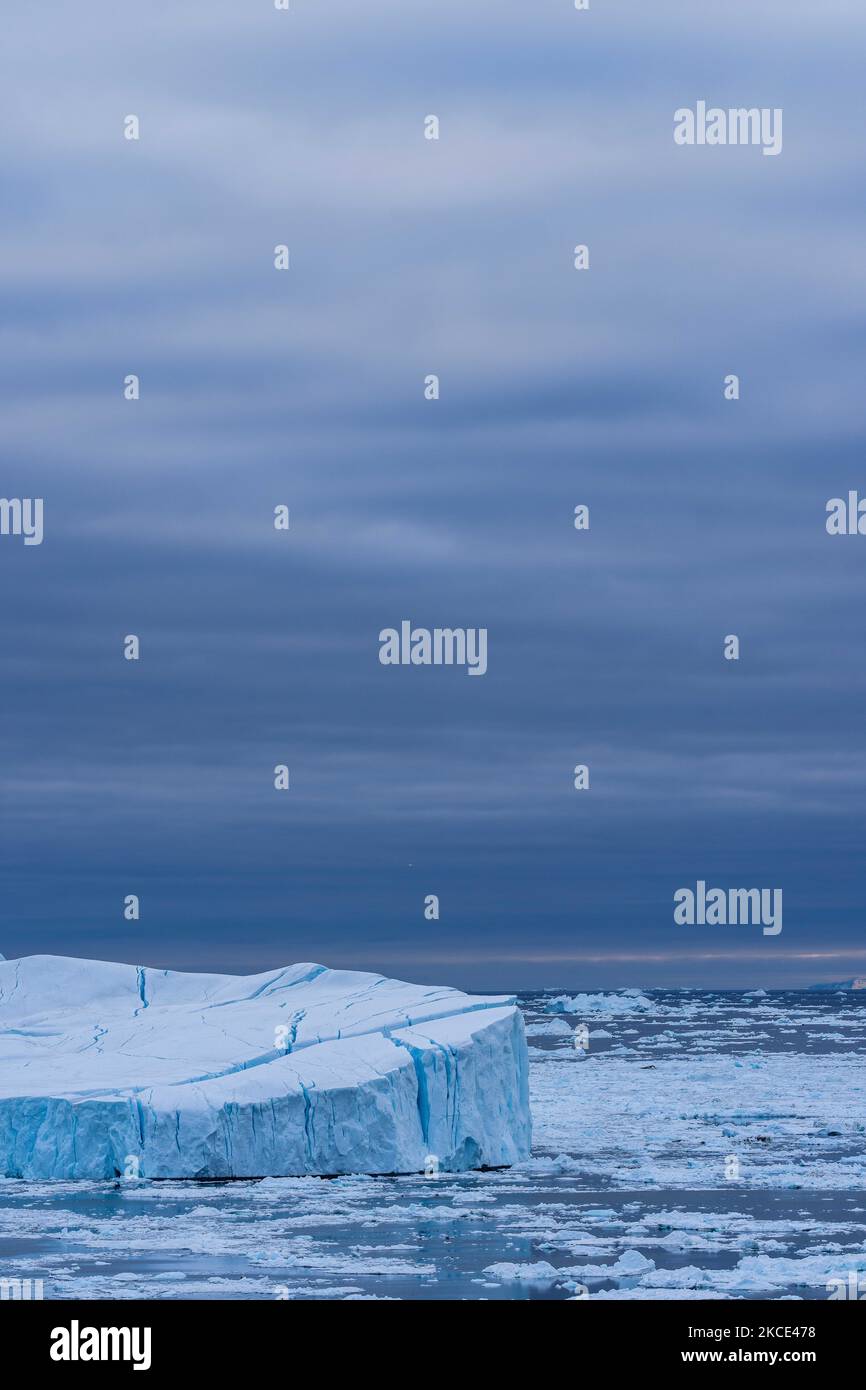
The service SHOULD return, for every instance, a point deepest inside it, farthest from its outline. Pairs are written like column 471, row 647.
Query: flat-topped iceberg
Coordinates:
column 109, row 1070
column 859, row 982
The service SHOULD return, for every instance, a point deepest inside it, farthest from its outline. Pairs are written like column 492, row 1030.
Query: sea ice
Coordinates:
column 111, row 1070
column 626, row 1001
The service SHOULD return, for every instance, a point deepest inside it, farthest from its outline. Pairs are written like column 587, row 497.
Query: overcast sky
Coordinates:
column 558, row 387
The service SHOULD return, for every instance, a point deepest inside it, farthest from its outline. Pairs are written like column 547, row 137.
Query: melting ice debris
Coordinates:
column 109, row 1070
column 625, row 1001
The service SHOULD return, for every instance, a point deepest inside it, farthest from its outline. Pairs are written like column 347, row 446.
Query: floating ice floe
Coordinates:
column 627, row 1001
column 111, row 1070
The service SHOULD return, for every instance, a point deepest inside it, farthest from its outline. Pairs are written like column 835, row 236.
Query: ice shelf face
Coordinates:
column 108, row 1070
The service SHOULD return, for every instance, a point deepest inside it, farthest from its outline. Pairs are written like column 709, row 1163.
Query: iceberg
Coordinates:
column 111, row 1070
column 626, row 1001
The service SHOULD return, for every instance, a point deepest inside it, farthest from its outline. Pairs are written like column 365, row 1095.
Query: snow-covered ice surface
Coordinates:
column 625, row 1194
column 108, row 1069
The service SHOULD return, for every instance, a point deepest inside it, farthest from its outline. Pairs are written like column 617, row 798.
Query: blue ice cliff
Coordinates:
column 109, row 1069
